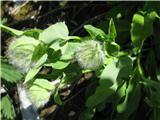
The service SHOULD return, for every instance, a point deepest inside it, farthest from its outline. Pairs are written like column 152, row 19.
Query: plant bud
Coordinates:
column 20, row 53
column 90, row 55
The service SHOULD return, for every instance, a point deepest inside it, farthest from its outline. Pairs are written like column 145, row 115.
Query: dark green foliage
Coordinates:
column 122, row 53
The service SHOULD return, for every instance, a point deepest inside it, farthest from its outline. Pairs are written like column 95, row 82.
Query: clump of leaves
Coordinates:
column 121, row 79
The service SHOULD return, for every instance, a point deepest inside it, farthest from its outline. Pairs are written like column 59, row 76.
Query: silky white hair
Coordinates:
column 89, row 55
column 28, row 110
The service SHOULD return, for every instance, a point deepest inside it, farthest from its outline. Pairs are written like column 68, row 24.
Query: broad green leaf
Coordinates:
column 54, row 32
column 112, row 30
column 43, row 83
column 141, row 28
column 109, row 80
column 9, row 73
column 38, row 65
column 38, row 95
column 87, row 114
column 11, row 30
column 105, row 88
column 96, row 32
column 7, row 108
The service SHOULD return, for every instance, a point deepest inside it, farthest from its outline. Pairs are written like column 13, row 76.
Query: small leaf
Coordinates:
column 141, row 28
column 58, row 64
column 112, row 30
column 95, row 32
column 7, row 107
column 54, row 32
column 57, row 97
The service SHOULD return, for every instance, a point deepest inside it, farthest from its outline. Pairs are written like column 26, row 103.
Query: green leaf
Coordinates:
column 112, row 48
column 96, row 33
column 57, row 97
column 132, row 98
column 11, row 30
column 109, row 80
column 112, row 30
column 141, row 28
column 9, row 73
column 43, row 83
column 54, row 32
column 32, row 72
column 7, row 107
column 61, row 64
column 38, row 95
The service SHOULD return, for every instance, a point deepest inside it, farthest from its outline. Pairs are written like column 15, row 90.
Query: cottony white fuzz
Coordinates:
column 90, row 55
column 28, row 110
column 20, row 52
column 25, row 102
